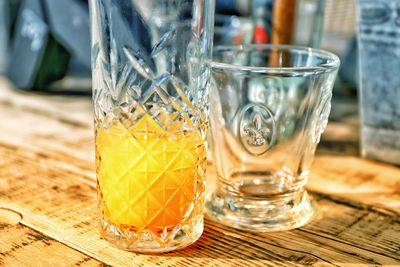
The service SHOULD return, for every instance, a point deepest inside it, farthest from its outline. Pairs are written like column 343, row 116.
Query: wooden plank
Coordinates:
column 64, row 126
column 356, row 180
column 76, row 110
column 339, row 171
column 57, row 202
column 21, row 246
column 46, row 174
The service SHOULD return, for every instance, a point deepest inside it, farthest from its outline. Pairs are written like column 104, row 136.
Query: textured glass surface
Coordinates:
column 150, row 101
column 269, row 106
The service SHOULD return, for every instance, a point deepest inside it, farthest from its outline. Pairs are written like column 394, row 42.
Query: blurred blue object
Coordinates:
column 4, row 33
column 226, row 7
column 48, row 41
column 349, row 70
column 233, row 7
column 69, row 24
column 232, row 30
column 379, row 65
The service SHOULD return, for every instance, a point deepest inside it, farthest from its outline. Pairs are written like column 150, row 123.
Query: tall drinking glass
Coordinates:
column 269, row 106
column 150, row 102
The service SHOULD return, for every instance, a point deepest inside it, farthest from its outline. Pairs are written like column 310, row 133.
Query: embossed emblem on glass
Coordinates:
column 265, row 124
column 256, row 129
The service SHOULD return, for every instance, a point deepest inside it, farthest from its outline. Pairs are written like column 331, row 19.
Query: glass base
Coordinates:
column 278, row 213
column 148, row 241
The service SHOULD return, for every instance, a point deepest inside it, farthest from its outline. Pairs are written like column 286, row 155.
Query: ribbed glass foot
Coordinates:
column 277, row 213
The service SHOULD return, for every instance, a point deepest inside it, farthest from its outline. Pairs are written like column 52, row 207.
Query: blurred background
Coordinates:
column 45, row 50
column 45, row 44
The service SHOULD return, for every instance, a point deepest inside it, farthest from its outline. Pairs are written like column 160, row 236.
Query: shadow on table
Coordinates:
column 343, row 234
column 338, row 147
column 312, row 244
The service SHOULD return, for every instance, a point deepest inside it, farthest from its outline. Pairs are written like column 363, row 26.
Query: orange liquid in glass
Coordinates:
column 149, row 177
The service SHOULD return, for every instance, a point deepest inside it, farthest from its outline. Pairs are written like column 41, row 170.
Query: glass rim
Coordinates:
column 332, row 64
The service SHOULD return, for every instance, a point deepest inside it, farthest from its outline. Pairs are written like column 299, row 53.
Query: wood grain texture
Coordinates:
column 47, row 176
column 22, row 246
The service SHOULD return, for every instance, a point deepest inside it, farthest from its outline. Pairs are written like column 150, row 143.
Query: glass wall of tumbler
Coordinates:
column 151, row 102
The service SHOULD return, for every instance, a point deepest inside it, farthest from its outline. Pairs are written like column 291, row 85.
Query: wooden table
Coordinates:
column 48, row 200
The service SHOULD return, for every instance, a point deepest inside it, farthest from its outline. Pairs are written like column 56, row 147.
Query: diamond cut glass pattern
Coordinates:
column 150, row 103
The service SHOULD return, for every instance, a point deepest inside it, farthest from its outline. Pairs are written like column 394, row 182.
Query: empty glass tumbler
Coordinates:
column 268, row 108
column 151, row 103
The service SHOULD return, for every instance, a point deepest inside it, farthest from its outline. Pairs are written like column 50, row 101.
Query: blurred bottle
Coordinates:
column 379, row 65
column 233, row 23
column 36, row 59
column 297, row 22
column 310, row 20
column 4, row 33
column 262, row 19
column 284, row 21
column 233, row 7
column 49, row 46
